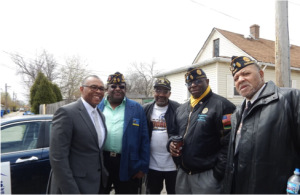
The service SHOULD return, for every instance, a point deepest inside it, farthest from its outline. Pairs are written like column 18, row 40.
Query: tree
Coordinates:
column 35, row 85
column 140, row 78
column 43, row 95
column 29, row 68
column 71, row 76
column 57, row 92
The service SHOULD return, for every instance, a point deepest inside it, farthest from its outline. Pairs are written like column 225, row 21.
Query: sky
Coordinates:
column 112, row 34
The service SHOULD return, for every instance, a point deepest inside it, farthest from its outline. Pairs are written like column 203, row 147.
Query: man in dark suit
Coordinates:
column 77, row 137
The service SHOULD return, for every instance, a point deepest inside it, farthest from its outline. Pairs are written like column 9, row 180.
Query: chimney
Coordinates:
column 254, row 31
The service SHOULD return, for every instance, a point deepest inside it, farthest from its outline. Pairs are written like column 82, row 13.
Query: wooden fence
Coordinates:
column 51, row 108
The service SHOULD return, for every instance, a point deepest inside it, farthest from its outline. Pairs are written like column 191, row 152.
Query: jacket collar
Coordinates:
column 269, row 94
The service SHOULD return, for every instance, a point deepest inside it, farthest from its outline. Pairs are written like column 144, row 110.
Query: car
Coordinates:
column 25, row 144
column 21, row 109
column 28, row 113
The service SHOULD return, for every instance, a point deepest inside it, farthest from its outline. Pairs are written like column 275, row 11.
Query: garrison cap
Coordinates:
column 239, row 62
column 116, row 78
column 162, row 83
column 194, row 74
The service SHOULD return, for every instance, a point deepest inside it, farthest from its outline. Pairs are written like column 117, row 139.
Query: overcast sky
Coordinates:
column 112, row 34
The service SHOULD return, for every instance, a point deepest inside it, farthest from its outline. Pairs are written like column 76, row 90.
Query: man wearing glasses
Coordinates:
column 204, row 123
column 159, row 115
column 126, row 151
column 76, row 143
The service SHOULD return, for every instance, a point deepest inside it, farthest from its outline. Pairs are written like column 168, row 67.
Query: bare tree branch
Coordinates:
column 140, row 79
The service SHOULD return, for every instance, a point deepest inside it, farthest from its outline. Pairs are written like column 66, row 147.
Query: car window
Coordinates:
column 19, row 137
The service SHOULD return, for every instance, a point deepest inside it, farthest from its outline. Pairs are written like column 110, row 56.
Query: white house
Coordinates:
column 215, row 57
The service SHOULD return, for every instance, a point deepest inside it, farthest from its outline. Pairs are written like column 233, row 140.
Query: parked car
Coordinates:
column 25, row 144
column 21, row 109
column 28, row 113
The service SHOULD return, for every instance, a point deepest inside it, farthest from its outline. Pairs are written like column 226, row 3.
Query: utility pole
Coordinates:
column 6, row 94
column 282, row 45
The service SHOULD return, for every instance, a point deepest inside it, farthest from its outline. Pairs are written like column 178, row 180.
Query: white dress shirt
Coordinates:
column 90, row 109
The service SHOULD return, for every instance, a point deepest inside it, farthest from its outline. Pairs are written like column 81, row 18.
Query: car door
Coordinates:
column 22, row 146
column 45, row 163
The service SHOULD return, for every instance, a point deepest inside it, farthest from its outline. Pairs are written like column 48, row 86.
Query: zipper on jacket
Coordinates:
column 192, row 109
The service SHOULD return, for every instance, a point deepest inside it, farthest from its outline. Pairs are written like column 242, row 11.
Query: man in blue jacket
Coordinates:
column 127, row 150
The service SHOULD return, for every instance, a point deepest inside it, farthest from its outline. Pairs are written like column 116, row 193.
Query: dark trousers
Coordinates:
column 112, row 164
column 155, row 181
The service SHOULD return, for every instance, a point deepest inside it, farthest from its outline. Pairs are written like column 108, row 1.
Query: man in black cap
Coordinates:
column 159, row 115
column 126, row 150
column 264, row 144
column 204, row 124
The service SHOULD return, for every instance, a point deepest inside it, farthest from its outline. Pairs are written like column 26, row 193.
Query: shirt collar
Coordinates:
column 256, row 95
column 106, row 102
column 88, row 107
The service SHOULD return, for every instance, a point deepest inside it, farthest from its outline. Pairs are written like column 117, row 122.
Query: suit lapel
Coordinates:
column 105, row 128
column 88, row 121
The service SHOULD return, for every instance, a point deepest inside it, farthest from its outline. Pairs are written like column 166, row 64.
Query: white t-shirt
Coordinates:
column 160, row 158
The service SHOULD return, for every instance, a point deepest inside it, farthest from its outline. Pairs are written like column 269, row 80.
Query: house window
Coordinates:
column 235, row 93
column 216, row 48
column 231, row 90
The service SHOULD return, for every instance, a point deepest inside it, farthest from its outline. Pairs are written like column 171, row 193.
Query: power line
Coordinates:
column 215, row 10
column 294, row 3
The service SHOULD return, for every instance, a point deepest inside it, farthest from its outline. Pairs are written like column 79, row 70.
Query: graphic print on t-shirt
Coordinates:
column 160, row 123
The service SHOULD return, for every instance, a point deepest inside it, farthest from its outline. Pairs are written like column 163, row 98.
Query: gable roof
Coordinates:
column 262, row 50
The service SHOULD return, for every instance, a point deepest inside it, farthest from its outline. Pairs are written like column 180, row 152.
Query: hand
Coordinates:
column 139, row 175
column 174, row 152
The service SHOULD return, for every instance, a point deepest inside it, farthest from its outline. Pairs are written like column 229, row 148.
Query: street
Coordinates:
column 12, row 114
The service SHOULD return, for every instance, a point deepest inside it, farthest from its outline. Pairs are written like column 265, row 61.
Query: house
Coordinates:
column 215, row 57
column 140, row 98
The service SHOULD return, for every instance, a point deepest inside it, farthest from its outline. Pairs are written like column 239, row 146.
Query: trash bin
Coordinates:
column 2, row 113
column 8, row 111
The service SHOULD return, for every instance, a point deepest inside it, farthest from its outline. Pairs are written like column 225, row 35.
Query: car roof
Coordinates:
column 26, row 118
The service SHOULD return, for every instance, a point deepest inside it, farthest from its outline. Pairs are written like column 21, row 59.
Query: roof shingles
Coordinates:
column 262, row 50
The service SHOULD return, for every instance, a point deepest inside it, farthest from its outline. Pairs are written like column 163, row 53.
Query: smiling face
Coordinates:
column 248, row 81
column 161, row 96
column 116, row 95
column 198, row 89
column 90, row 96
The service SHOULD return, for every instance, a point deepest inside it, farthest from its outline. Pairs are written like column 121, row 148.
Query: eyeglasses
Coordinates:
column 163, row 91
column 115, row 86
column 94, row 87
column 196, row 82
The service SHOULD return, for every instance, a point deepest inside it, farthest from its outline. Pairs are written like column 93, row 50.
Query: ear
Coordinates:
column 81, row 89
column 262, row 74
column 207, row 81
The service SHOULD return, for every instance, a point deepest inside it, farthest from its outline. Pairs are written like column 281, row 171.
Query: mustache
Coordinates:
column 244, row 83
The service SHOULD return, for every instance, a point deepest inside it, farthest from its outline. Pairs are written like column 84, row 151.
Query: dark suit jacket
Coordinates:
column 75, row 156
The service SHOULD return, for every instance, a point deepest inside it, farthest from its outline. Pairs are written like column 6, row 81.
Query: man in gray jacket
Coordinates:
column 264, row 144
column 77, row 138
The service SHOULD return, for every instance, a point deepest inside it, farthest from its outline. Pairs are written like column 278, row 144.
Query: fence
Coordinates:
column 51, row 108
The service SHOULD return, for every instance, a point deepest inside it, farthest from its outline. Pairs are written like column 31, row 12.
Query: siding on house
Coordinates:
column 227, row 48
column 178, row 89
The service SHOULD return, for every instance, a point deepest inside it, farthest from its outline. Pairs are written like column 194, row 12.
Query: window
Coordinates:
column 235, row 93
column 216, row 48
column 18, row 137
column 231, row 90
